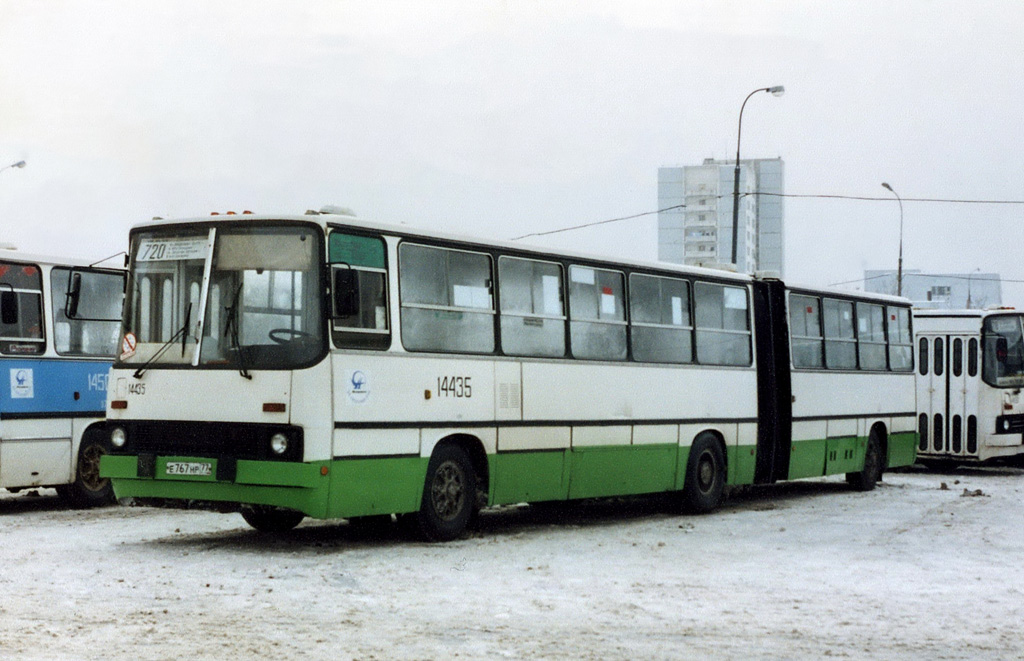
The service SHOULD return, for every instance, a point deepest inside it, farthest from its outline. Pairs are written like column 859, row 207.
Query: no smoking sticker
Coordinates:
column 128, row 346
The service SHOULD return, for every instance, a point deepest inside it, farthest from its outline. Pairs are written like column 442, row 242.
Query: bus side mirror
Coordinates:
column 346, row 300
column 8, row 308
column 74, row 293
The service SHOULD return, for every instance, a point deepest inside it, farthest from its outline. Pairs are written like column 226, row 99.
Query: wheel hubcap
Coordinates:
column 448, row 491
column 706, row 472
column 89, row 468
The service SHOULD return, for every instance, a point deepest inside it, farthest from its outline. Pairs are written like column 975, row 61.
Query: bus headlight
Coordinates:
column 279, row 443
column 118, row 437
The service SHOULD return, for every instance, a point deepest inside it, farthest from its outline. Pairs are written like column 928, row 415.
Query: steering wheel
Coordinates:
column 286, row 335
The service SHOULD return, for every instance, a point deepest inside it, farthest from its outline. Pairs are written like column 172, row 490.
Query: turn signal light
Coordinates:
column 119, row 404
column 273, row 407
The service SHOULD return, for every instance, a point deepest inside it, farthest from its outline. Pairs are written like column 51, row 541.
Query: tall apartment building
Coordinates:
column 700, row 233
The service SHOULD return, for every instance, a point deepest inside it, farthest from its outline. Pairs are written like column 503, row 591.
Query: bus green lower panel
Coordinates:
column 622, row 470
column 807, row 459
column 522, row 477
column 902, row 449
column 363, row 487
column 741, row 461
column 302, row 487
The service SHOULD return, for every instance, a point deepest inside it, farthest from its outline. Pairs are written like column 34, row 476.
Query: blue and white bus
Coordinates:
column 59, row 321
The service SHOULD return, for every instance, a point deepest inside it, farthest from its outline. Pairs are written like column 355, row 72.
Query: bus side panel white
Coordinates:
column 429, row 438
column 508, row 390
column 844, row 427
column 810, row 430
column 603, row 391
column 35, row 453
column 656, row 435
column 411, row 388
column 601, row 436
column 747, row 434
column 371, row 442
column 689, row 432
column 511, row 439
column 309, row 408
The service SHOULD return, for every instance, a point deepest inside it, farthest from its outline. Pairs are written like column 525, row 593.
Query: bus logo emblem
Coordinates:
column 21, row 384
column 358, row 387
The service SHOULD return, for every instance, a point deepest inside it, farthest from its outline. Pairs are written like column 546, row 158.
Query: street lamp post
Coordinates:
column 777, row 90
column 899, row 264
column 19, row 164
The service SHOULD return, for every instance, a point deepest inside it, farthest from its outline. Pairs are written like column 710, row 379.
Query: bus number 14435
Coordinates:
column 454, row 386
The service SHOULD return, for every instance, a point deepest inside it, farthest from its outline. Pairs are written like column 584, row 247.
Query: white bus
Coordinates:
column 969, row 379
column 326, row 366
column 59, row 324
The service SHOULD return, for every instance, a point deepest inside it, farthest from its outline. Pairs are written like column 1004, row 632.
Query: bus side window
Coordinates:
column 446, row 299
column 922, row 358
column 723, row 324
column 901, row 343
column 972, row 357
column 940, row 357
column 21, row 325
column 359, row 291
column 871, row 336
column 958, row 357
column 840, row 342
column 805, row 331
column 94, row 298
column 597, row 310
column 532, row 307
column 659, row 313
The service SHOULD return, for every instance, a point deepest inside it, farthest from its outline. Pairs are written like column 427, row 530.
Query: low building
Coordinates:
column 952, row 291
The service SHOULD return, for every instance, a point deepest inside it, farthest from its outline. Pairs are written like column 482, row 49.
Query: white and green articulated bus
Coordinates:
column 59, row 325
column 320, row 365
column 970, row 372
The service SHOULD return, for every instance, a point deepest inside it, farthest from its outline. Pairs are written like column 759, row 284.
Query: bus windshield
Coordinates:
column 1003, row 339
column 261, row 309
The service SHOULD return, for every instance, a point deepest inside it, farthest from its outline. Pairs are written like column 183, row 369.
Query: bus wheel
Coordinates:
column 872, row 472
column 271, row 519
column 449, row 495
column 88, row 489
column 705, row 475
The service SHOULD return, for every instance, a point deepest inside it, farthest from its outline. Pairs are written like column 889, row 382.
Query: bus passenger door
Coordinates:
column 962, row 394
column 933, row 390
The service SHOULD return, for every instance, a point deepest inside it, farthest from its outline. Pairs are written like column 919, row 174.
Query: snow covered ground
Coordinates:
column 806, row 569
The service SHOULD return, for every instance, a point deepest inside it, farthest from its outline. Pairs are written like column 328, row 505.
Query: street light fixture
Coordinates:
column 899, row 264
column 19, row 164
column 776, row 90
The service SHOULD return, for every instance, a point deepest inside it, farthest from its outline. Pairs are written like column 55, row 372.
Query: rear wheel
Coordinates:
column 866, row 478
column 705, row 475
column 449, row 495
column 271, row 519
column 88, row 488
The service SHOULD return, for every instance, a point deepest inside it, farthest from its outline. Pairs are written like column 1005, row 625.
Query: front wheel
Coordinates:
column 449, row 495
column 88, row 489
column 271, row 519
column 866, row 478
column 705, row 475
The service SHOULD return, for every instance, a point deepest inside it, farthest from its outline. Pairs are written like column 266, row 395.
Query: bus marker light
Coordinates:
column 323, row 470
column 273, row 407
column 119, row 404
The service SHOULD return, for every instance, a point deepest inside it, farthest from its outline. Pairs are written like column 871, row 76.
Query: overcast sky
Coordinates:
column 503, row 118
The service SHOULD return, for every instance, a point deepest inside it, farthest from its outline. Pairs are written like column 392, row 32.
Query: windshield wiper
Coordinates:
column 231, row 330
column 181, row 332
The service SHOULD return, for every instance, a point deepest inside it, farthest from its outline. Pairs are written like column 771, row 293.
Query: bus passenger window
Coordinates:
column 532, row 307
column 21, row 329
column 940, row 357
column 597, row 309
column 446, row 299
column 972, row 357
column 723, row 324
column 922, row 359
column 901, row 343
column 871, row 336
column 805, row 331
column 659, row 311
column 840, row 342
column 958, row 357
column 359, row 291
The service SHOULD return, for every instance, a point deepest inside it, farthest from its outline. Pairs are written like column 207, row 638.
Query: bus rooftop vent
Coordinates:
column 337, row 211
